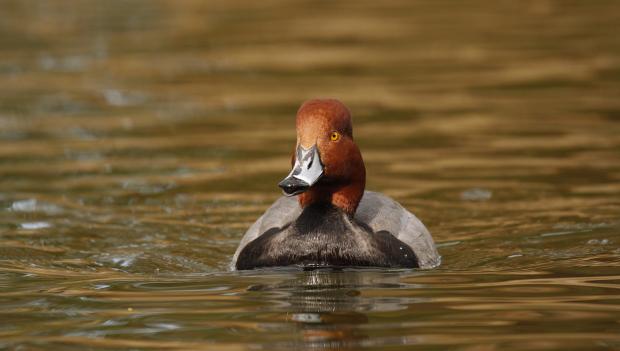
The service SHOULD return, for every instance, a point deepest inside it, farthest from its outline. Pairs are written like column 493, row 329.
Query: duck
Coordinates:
column 326, row 217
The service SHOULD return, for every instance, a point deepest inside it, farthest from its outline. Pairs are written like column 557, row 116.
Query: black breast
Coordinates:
column 323, row 235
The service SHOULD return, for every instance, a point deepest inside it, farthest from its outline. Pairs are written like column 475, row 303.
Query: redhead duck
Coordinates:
column 326, row 218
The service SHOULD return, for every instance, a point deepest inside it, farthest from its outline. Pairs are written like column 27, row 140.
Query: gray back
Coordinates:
column 376, row 210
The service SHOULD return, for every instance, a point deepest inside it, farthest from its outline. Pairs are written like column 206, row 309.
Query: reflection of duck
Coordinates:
column 324, row 298
column 327, row 291
column 328, row 306
column 333, row 221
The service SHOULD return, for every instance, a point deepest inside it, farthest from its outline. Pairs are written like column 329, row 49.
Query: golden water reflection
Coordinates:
column 138, row 141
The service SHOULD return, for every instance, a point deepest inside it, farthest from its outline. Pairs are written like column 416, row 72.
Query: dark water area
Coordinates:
column 140, row 139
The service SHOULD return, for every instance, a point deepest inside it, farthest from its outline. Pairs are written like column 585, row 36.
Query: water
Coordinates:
column 138, row 141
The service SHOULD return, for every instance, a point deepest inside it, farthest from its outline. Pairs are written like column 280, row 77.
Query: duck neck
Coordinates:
column 344, row 195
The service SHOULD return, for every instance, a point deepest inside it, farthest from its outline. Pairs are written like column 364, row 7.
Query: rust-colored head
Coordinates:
column 317, row 118
column 324, row 126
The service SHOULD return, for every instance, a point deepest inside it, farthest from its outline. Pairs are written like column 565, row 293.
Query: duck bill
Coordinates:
column 307, row 170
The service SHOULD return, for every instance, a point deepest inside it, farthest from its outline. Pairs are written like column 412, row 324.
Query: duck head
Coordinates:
column 327, row 164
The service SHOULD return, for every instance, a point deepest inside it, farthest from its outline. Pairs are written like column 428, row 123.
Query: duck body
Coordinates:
column 326, row 217
column 381, row 234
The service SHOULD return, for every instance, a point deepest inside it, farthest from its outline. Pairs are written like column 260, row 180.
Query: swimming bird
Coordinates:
column 326, row 218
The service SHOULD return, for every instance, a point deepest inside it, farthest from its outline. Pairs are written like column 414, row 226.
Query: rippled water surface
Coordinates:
column 139, row 139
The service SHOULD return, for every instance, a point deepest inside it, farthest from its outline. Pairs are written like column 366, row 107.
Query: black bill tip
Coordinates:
column 293, row 186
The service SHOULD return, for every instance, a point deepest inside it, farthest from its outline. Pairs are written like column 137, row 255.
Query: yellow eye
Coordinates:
column 335, row 136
